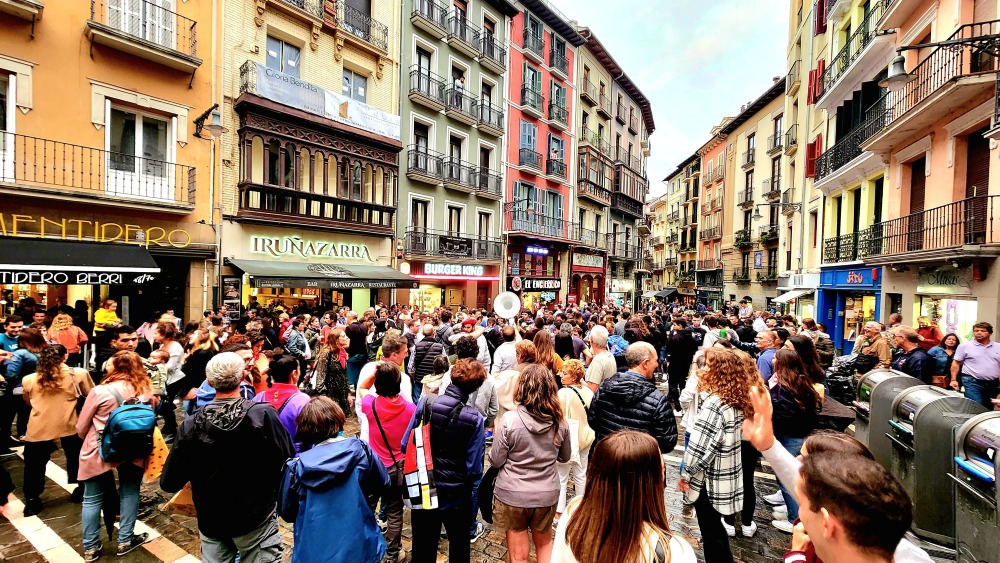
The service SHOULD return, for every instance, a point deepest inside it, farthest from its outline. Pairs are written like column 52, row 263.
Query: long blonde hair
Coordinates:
column 730, row 375
column 62, row 321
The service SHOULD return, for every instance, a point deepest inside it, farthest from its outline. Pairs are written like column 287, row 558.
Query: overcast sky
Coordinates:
column 696, row 60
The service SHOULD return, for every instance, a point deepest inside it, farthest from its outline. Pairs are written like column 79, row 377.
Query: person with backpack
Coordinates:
column 284, row 394
column 110, row 442
column 232, row 451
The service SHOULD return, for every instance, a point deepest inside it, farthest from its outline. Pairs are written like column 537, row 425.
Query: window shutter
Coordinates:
column 820, row 86
column 811, row 160
column 820, row 19
column 810, row 90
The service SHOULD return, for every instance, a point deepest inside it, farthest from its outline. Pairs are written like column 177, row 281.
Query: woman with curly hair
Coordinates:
column 72, row 337
column 528, row 442
column 712, row 475
column 331, row 369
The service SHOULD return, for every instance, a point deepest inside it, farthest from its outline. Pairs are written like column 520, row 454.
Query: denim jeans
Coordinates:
column 475, row 506
column 94, row 490
column 354, row 365
column 418, row 388
column 260, row 545
column 981, row 390
column 794, row 446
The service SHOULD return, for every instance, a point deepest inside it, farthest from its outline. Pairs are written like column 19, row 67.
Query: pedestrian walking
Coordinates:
column 331, row 369
column 978, row 362
column 575, row 399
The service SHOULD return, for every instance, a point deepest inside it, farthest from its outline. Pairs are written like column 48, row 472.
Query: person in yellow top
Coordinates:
column 105, row 319
column 52, row 391
column 871, row 343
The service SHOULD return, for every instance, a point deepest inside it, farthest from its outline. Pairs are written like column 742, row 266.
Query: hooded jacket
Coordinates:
column 630, row 401
column 324, row 489
column 232, row 452
column 288, row 401
column 525, row 449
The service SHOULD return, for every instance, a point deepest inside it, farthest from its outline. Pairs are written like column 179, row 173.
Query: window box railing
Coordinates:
column 745, row 198
column 558, row 113
column 531, row 98
column 530, row 158
column 424, row 162
column 425, row 83
column 741, row 275
column 558, row 61
column 362, row 26
column 534, row 43
column 149, row 23
column 493, row 49
column 431, row 11
column 70, row 170
column 768, row 233
column 853, row 47
column 555, row 167
column 490, row 116
column 419, row 241
column 741, row 238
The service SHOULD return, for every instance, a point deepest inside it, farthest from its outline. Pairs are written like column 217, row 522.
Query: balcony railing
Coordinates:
column 460, row 28
column 292, row 207
column 942, row 66
column 528, row 221
column 745, row 198
column 674, row 216
column 493, row 49
column 488, row 182
column 426, row 242
column 622, row 249
column 792, row 79
column 741, row 275
column 459, row 173
column 362, row 26
column 151, row 23
column 634, row 162
column 769, row 275
column 528, row 157
column 711, row 233
column 791, row 137
column 775, row 142
column 555, row 167
column 633, row 123
column 425, row 83
column 588, row 92
column 534, row 43
column 848, row 147
column 843, row 248
column 656, row 240
column 768, row 233
column 788, row 198
column 748, row 157
column 670, row 261
column 490, row 116
column 558, row 113
column 558, row 61
column 604, row 104
column 531, row 98
column 621, row 113
column 590, row 188
column 74, row 170
column 741, row 238
column 424, row 163
column 672, row 239
column 589, row 237
column 461, row 101
column 626, row 204
column 312, row 7
column 430, row 10
column 853, row 47
column 770, row 188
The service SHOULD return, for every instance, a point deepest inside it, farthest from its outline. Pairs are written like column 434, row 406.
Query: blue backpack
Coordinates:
column 128, row 434
column 617, row 345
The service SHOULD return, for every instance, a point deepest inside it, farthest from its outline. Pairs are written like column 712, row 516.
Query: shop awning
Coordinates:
column 665, row 292
column 793, row 294
column 61, row 262
column 648, row 294
column 672, row 290
column 295, row 275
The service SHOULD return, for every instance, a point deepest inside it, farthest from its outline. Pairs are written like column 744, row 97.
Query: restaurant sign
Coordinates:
column 945, row 281
column 32, row 226
column 296, row 246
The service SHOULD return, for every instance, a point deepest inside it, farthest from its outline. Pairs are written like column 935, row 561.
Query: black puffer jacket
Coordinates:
column 627, row 401
column 424, row 354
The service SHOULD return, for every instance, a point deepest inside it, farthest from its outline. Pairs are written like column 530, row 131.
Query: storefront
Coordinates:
column 622, row 291
column 847, row 298
column 80, row 258
column 797, row 295
column 534, row 291
column 711, row 297
column 587, row 278
column 952, row 298
column 311, row 269
column 450, row 284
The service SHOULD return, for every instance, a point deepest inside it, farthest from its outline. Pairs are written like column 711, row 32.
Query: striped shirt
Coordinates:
column 712, row 460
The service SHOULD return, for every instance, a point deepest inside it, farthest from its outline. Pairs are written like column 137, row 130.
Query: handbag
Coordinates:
column 397, row 476
column 485, row 493
column 418, row 465
column 80, row 397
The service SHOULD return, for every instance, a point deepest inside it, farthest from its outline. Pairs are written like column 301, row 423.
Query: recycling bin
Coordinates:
column 922, row 432
column 977, row 528
column 875, row 394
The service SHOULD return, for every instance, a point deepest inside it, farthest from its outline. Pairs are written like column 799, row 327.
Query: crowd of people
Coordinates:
column 464, row 419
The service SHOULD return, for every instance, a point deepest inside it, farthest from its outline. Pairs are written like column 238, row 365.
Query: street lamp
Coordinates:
column 795, row 207
column 897, row 77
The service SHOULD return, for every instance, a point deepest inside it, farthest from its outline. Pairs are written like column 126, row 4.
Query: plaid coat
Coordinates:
column 712, row 460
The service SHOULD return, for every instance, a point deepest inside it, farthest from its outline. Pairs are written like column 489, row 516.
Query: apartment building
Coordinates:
column 658, row 242
column 540, row 169
column 106, row 160
column 671, row 241
column 454, row 59
column 906, row 167
column 710, row 269
column 310, row 160
column 752, row 194
column 685, row 182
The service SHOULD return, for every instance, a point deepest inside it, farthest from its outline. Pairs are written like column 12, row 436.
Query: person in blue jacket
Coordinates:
column 325, row 488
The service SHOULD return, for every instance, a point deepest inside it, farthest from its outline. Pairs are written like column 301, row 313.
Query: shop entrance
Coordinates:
column 168, row 290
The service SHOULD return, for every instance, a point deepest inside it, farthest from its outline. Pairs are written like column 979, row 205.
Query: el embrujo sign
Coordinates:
column 39, row 226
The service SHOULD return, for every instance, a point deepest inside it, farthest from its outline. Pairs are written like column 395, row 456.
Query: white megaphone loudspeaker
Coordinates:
column 507, row 305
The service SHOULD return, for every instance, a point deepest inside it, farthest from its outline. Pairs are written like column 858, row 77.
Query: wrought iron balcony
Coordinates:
column 461, row 105
column 670, row 261
column 463, row 35
column 770, row 275
column 488, row 182
column 848, row 147
column 768, row 234
column 363, row 26
column 748, row 158
column 672, row 238
column 555, row 167
column 656, row 240
column 459, row 174
column 559, row 115
column 604, row 105
column 709, row 265
column 529, row 158
column 531, row 100
column 621, row 113
column 674, row 216
column 558, row 62
column 494, row 53
column 490, row 119
column 45, row 166
column 625, row 204
column 843, row 248
column 787, row 199
column 741, row 275
column 426, row 88
column 622, row 249
column 534, row 45
column 711, row 233
column 770, row 188
column 424, row 165
column 855, row 45
column 633, row 123
column 745, row 198
column 632, row 161
column 685, row 276
column 741, row 238
column 775, row 143
column 145, row 29
column 793, row 79
column 430, row 16
column 528, row 221
column 717, row 203
column 589, row 237
column 592, row 138
column 312, row 7
column 450, row 246
column 591, row 189
column 792, row 138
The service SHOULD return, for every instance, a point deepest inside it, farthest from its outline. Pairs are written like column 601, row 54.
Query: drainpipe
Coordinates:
column 804, row 200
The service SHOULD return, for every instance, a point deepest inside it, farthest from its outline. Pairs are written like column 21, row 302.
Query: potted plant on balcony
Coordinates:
column 741, row 276
column 768, row 235
column 742, row 238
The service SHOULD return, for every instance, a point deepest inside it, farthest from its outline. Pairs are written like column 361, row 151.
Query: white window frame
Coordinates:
column 356, row 75
column 127, row 16
column 138, row 184
column 489, row 223
column 9, row 82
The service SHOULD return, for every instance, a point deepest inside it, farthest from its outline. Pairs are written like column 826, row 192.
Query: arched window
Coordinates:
column 288, row 167
column 257, row 161
column 273, row 157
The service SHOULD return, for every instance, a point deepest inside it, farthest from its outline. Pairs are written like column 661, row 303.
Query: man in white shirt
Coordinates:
column 603, row 364
column 394, row 352
column 505, row 356
column 759, row 324
column 469, row 328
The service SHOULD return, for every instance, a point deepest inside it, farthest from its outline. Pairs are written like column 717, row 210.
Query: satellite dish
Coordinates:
column 507, row 305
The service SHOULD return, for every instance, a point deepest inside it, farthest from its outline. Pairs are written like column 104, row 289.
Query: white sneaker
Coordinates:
column 749, row 531
column 730, row 530
column 775, row 499
column 780, row 509
column 780, row 514
column 783, row 525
